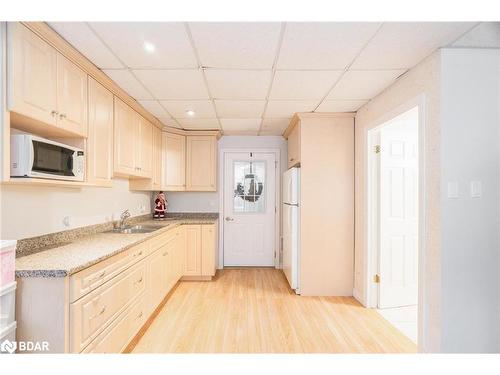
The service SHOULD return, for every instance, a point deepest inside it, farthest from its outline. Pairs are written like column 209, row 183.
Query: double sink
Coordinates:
column 136, row 229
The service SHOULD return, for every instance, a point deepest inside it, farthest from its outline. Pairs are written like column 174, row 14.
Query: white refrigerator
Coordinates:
column 291, row 225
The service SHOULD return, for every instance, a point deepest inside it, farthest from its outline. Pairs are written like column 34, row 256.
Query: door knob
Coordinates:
column 229, row 218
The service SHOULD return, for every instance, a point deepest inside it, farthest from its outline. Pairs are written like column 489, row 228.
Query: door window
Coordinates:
column 249, row 186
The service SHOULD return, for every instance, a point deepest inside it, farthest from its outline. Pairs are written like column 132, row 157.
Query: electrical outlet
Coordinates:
column 66, row 221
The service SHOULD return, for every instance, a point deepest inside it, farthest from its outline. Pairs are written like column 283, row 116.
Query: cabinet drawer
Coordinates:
column 92, row 313
column 115, row 338
column 162, row 240
column 91, row 278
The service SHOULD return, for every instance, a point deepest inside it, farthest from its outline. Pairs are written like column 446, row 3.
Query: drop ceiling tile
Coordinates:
column 400, row 45
column 286, row 108
column 177, row 108
column 240, row 108
column 154, row 108
column 170, row 39
column 297, row 85
column 168, row 121
column 174, row 84
column 126, row 80
column 240, row 125
column 238, row 84
column 484, row 35
column 198, row 123
column 80, row 36
column 341, row 105
column 244, row 45
column 363, row 84
column 274, row 126
column 323, row 45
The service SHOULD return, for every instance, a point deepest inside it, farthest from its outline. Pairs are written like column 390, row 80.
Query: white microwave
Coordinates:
column 32, row 156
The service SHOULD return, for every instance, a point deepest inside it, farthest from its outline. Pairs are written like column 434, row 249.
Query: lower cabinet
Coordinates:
column 200, row 250
column 109, row 302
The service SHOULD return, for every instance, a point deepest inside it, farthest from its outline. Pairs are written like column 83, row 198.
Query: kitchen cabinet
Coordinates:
column 192, row 265
column 125, row 123
column 72, row 100
column 294, row 146
column 201, row 163
column 174, row 161
column 133, row 143
column 155, row 183
column 200, row 250
column 44, row 87
column 100, row 135
column 101, row 308
column 144, row 147
column 208, row 245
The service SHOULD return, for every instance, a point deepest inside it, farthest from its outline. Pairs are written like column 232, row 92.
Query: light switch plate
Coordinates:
column 452, row 190
column 476, row 189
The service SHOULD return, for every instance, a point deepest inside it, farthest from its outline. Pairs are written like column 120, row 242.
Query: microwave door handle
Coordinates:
column 70, row 163
column 29, row 167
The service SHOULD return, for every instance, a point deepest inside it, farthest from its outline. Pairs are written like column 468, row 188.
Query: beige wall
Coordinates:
column 421, row 81
column 28, row 211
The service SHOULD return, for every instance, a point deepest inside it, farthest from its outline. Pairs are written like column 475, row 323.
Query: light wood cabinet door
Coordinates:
column 72, row 100
column 208, row 233
column 144, row 149
column 294, row 146
column 100, row 135
column 125, row 131
column 201, row 163
column 192, row 266
column 156, row 174
column 174, row 162
column 32, row 75
column 157, row 278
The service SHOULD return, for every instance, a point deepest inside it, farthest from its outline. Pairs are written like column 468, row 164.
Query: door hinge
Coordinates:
column 377, row 149
column 376, row 278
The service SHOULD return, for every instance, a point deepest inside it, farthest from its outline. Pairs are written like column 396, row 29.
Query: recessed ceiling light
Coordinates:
column 190, row 112
column 149, row 47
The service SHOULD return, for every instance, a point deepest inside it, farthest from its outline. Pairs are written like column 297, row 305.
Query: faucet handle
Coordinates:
column 125, row 214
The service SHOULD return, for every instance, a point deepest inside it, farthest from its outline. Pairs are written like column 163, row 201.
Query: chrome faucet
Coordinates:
column 124, row 216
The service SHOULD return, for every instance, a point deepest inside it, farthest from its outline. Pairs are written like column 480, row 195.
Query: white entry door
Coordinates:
column 398, row 261
column 249, row 209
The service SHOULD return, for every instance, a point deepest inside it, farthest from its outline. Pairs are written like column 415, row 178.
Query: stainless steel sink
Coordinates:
column 136, row 229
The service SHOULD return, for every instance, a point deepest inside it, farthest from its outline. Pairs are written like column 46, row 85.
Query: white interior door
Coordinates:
column 398, row 260
column 249, row 209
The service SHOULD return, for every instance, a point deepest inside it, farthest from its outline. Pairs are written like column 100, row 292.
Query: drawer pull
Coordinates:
column 102, row 274
column 138, row 281
column 139, row 316
column 138, row 254
column 165, row 253
column 99, row 314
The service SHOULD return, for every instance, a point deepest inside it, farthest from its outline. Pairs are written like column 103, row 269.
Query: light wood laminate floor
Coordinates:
column 254, row 311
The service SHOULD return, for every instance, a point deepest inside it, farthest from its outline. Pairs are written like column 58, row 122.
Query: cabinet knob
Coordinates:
column 54, row 113
column 62, row 116
column 292, row 159
column 229, row 218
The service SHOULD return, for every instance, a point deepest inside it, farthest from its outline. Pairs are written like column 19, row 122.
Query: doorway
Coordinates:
column 394, row 214
column 249, row 209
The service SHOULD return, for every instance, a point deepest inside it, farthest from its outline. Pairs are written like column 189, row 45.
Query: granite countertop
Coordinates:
column 68, row 258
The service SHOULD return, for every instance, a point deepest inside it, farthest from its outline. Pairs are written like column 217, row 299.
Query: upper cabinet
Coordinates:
column 125, row 123
column 133, row 143
column 144, row 147
column 201, row 163
column 294, row 146
column 71, row 96
column 174, row 150
column 157, row 170
column 44, row 87
column 100, row 135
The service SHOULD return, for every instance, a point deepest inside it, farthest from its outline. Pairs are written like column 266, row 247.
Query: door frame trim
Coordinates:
column 370, row 256
column 277, row 216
